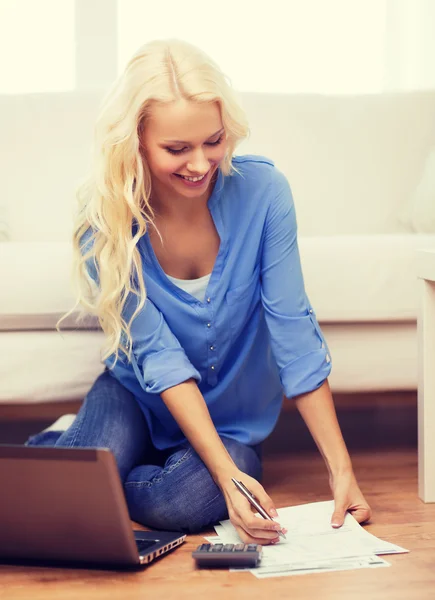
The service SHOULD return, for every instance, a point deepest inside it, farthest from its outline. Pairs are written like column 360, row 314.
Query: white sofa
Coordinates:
column 354, row 164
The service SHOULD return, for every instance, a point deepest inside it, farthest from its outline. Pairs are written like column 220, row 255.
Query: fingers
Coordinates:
column 261, row 528
column 338, row 516
column 264, row 534
column 264, row 499
column 251, row 528
column 256, row 530
column 361, row 514
column 348, row 498
column 255, row 536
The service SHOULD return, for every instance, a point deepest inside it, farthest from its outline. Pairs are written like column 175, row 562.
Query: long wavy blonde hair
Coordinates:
column 114, row 209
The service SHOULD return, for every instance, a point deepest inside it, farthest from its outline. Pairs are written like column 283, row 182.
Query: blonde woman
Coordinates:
column 189, row 257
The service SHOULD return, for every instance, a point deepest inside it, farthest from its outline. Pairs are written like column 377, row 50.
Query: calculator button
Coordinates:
column 228, row 548
column 252, row 548
column 216, row 547
column 239, row 547
column 203, row 548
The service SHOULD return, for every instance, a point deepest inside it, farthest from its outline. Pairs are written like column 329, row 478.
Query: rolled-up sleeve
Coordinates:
column 297, row 342
column 158, row 361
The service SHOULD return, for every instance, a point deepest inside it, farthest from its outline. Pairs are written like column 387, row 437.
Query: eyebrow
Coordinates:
column 183, row 142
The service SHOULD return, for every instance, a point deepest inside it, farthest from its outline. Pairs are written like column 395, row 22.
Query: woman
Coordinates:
column 189, row 257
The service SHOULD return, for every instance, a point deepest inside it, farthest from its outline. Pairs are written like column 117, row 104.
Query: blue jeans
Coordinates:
column 171, row 489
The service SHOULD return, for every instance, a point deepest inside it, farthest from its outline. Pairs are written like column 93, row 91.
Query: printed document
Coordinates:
column 312, row 545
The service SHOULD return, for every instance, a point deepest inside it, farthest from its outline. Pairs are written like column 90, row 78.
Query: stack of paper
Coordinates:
column 312, row 545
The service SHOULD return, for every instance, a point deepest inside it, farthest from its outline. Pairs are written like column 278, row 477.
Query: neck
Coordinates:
column 178, row 207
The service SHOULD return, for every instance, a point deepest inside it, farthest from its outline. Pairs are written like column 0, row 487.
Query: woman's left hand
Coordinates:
column 348, row 498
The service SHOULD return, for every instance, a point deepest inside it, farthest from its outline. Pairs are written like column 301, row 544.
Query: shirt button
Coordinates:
column 212, row 347
column 328, row 359
column 212, row 367
column 208, row 324
column 208, row 300
column 311, row 311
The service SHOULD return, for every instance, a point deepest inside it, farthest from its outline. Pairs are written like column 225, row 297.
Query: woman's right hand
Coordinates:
column 251, row 529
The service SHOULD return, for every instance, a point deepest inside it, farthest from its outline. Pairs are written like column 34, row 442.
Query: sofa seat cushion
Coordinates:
column 38, row 291
column 357, row 278
column 45, row 366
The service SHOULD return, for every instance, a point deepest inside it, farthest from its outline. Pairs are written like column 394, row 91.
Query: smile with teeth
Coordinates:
column 193, row 179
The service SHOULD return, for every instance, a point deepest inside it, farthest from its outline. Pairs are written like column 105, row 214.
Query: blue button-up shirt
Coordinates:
column 254, row 337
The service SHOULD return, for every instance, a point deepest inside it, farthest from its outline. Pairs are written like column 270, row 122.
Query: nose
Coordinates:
column 198, row 164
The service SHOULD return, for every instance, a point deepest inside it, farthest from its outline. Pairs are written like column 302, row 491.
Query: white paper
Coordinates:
column 313, row 545
column 322, row 566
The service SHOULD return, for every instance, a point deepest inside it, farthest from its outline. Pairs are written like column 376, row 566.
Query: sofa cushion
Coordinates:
column 36, row 286
column 348, row 279
column 353, row 162
column 419, row 214
column 353, row 278
column 45, row 366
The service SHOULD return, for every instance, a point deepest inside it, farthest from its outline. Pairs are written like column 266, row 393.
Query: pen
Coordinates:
column 254, row 502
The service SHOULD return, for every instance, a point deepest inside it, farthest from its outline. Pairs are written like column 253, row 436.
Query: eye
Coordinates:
column 173, row 151
column 217, row 142
column 181, row 150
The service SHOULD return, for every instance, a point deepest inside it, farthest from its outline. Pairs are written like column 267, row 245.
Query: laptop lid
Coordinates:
column 68, row 505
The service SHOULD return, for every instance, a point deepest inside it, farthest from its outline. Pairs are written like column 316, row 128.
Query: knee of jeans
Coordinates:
column 189, row 501
column 110, row 418
column 108, row 402
column 191, row 517
column 244, row 457
column 109, row 389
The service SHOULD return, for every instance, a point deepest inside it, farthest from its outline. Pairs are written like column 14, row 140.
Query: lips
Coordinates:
column 191, row 178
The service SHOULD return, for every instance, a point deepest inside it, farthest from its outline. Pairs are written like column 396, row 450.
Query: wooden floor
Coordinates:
column 389, row 481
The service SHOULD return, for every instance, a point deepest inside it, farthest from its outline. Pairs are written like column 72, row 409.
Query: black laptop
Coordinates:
column 66, row 506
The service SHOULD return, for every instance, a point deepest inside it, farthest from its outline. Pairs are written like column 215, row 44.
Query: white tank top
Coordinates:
column 194, row 287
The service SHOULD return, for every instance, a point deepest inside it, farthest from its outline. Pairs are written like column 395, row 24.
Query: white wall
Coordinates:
column 353, row 161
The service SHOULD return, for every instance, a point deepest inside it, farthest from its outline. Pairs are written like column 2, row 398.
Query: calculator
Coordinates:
column 228, row 555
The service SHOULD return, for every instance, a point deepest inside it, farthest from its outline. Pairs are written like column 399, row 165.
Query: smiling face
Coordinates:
column 184, row 143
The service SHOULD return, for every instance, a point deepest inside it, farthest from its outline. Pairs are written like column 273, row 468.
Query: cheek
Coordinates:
column 218, row 153
column 167, row 164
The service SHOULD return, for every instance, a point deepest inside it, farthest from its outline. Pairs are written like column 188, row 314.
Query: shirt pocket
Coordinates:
column 242, row 302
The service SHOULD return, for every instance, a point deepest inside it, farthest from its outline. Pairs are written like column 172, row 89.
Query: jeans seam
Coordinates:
column 212, row 500
column 158, row 479
column 72, row 440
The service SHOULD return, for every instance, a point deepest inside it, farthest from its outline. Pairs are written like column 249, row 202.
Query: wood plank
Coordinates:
column 40, row 411
column 389, row 481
